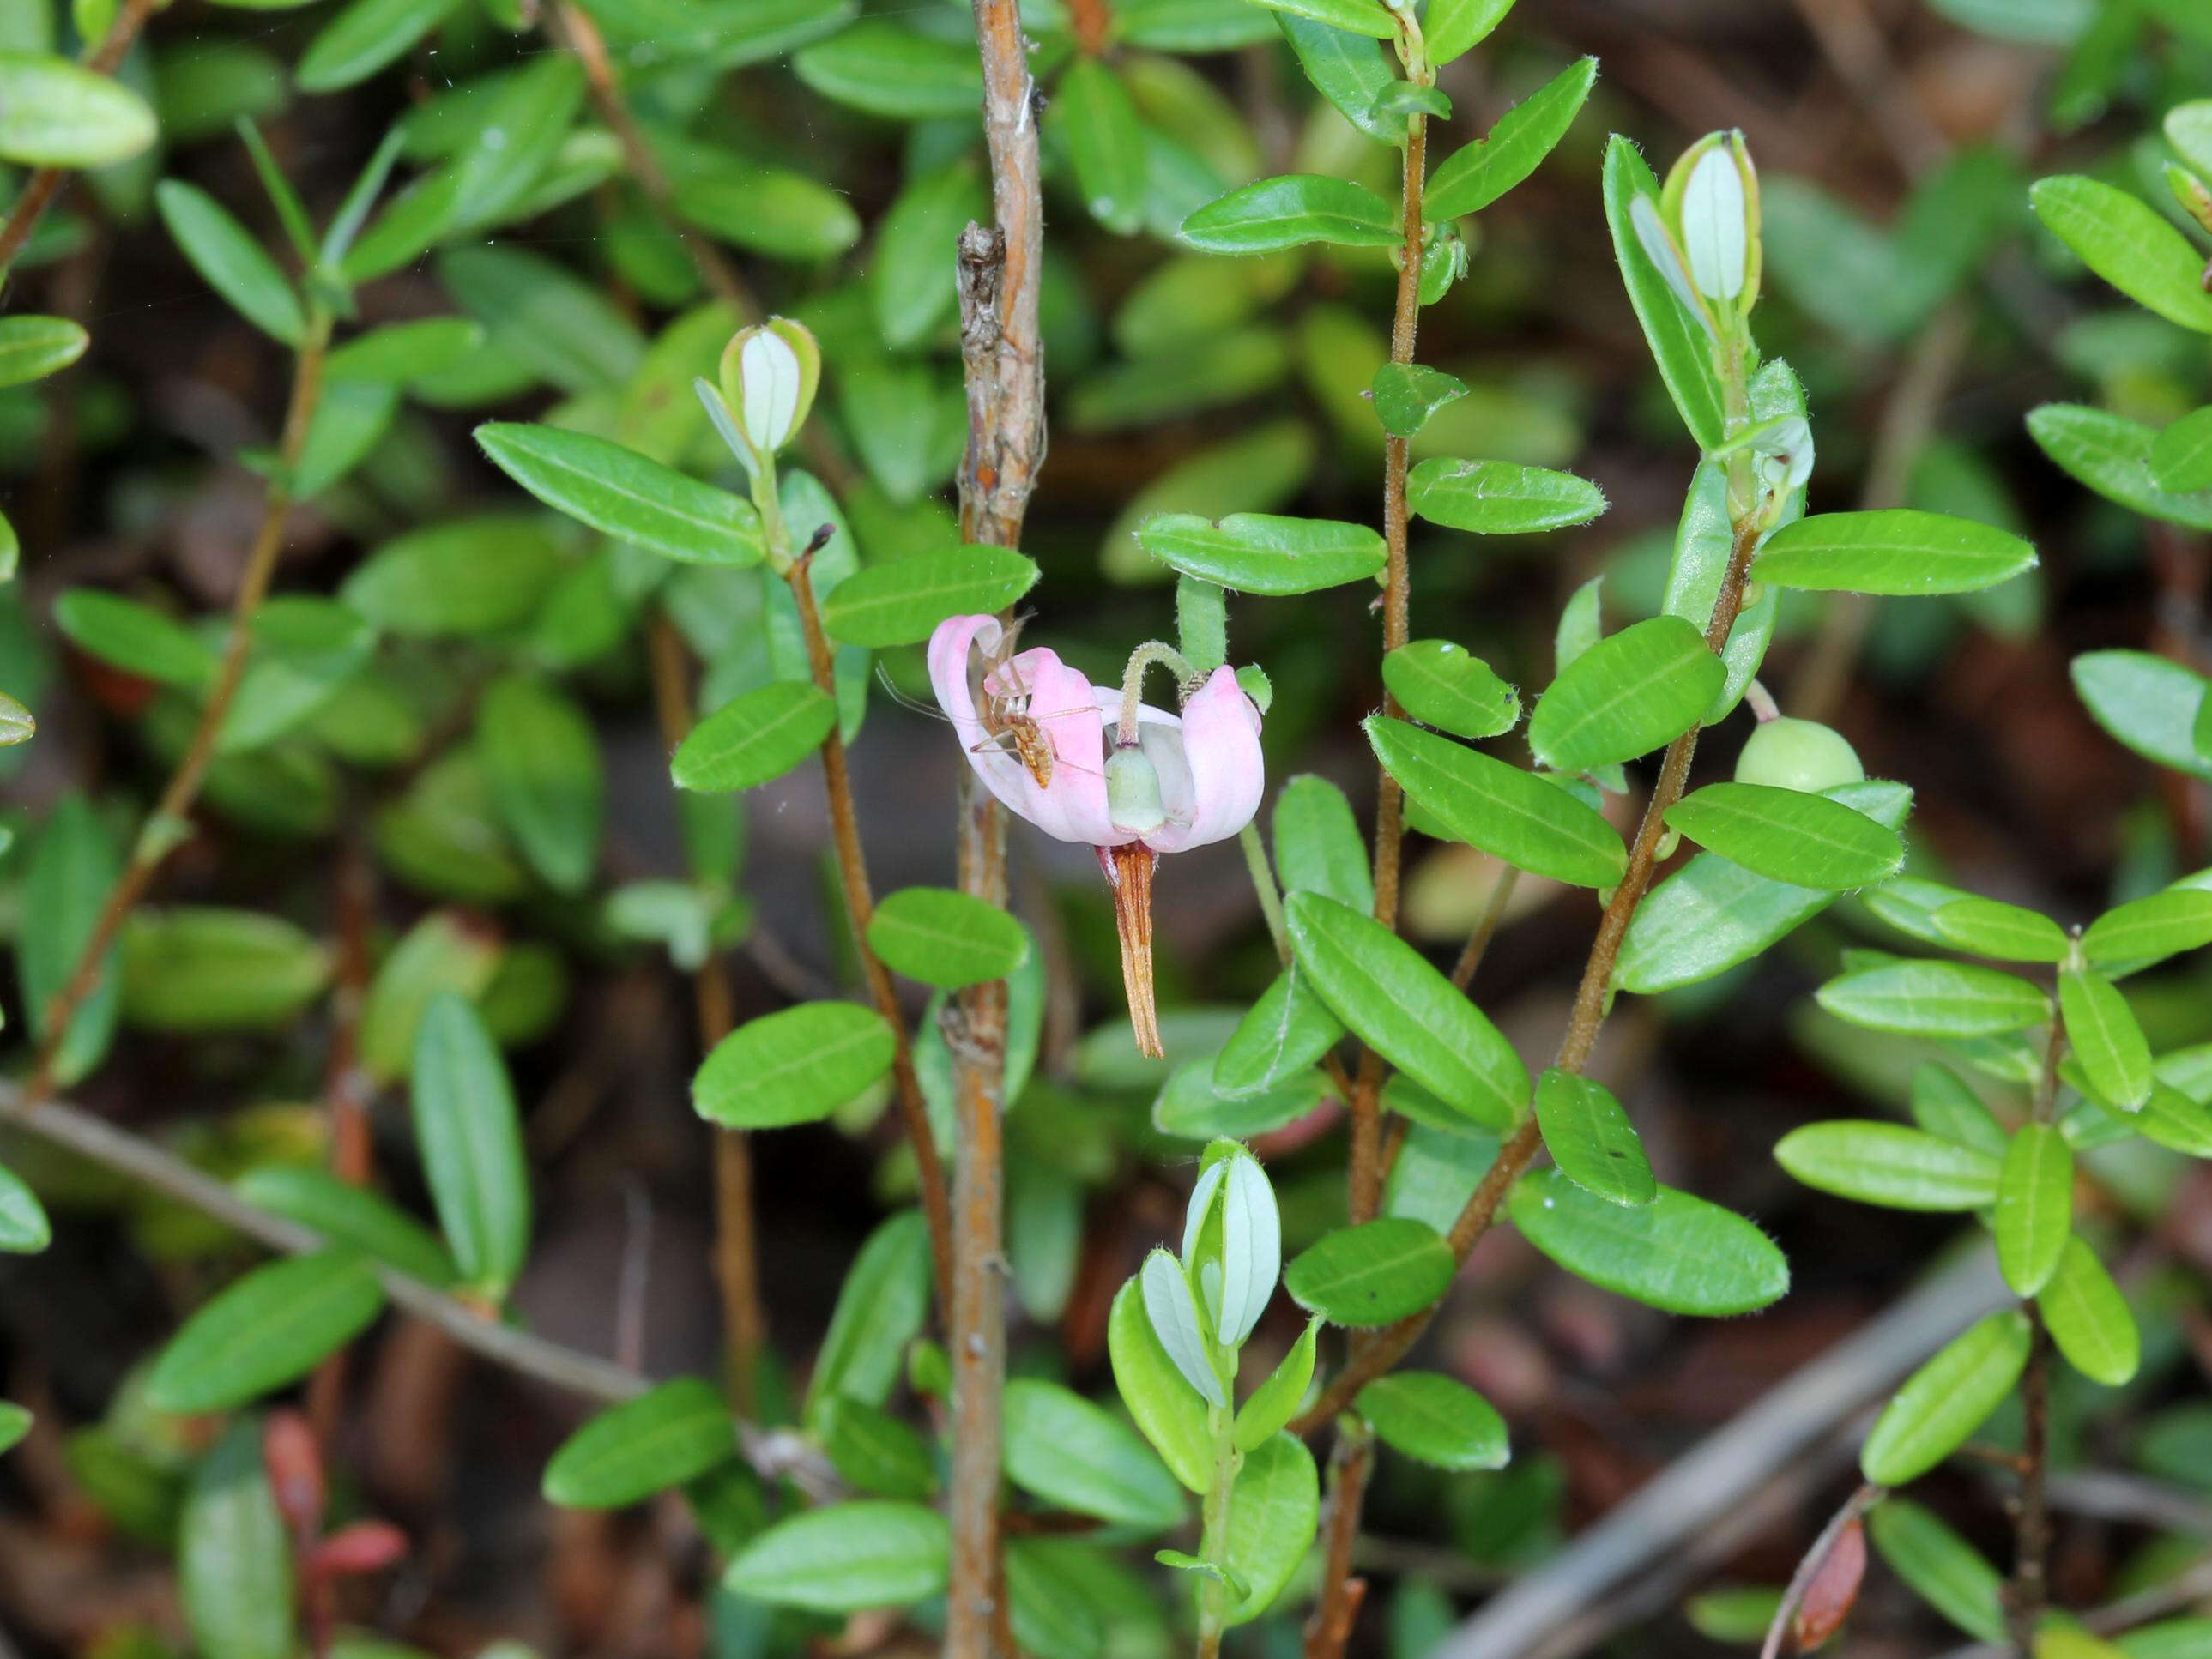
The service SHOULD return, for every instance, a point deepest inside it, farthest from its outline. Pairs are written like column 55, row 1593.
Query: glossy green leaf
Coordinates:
column 1281, row 1038
column 795, row 1066
column 1385, row 990
column 754, row 738
column 1440, row 684
column 2181, row 456
column 32, row 348
column 1352, row 71
column 1500, row 498
column 2129, row 244
column 541, row 316
column 353, row 1218
column 1272, row 1405
column 665, row 1436
column 1471, row 178
column 1889, row 1164
column 2102, row 1031
column 2151, row 928
column 1318, row 846
column 625, row 494
column 2005, row 933
column 54, row 114
column 776, row 211
column 469, row 575
column 2147, row 702
column 134, row 638
column 874, row 1452
column 270, row 1328
column 1290, row 211
column 901, row 603
column 1590, row 1138
column 2088, row 1319
column 1449, row 27
column 880, row 1309
column 470, row 1137
column 1789, row 835
column 1192, row 1105
column 1678, row 1252
column 2111, row 454
column 1165, row 1407
column 1075, row 1455
column 1943, row 1403
column 2034, row 1207
column 1375, row 1274
column 1261, row 553
column 846, row 1557
column 1935, row 999
column 24, row 1228
column 1629, row 694
column 1093, row 117
column 503, row 157
column 365, row 37
column 1404, row 395
column 1434, row 1419
column 944, row 938
column 1895, row 551
column 1358, row 17
column 1273, row 1514
column 1534, row 825
column 1943, row 1568
column 1944, row 1106
column 75, row 864
column 541, row 757
column 226, row 254
column 915, row 288
column 885, row 69
column 1678, row 340
column 199, row 968
column 234, row 1554
column 1713, row 913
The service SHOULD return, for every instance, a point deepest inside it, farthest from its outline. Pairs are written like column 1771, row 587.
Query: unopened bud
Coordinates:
column 1232, row 1240
column 2192, row 192
column 1711, row 206
column 769, row 375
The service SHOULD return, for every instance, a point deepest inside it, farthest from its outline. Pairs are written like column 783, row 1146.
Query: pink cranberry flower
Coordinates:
column 1092, row 764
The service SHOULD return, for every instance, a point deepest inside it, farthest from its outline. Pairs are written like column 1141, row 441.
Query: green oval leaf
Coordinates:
column 885, row 68
column 233, row 1553
column 1629, row 694
column 1376, row 1274
column 1895, row 551
column 2129, row 244
column 1533, row 825
column 233, row 262
column 134, row 638
column 1165, row 1407
column 1434, row 1419
column 1947, row 1571
column 947, row 939
column 24, row 1228
column 1500, row 498
column 1192, row 1105
column 1261, row 553
column 1318, row 846
column 1385, row 990
column 1935, row 999
column 2111, row 454
column 351, row 1217
column 902, row 602
column 1679, row 342
column 198, row 968
column 1352, row 71
column 1889, row 1164
column 365, row 37
column 880, row 1309
column 754, row 738
column 1071, row 1453
column 1404, row 395
column 1290, row 211
column 1943, row 1402
column 470, row 1138
column 2181, row 456
column 846, row 1557
column 793, row 1067
column 2035, row 1206
column 1449, row 27
column 542, row 758
column 1093, row 117
column 1357, row 16
column 1272, row 1516
column 2005, row 933
column 626, row 494
column 472, row 575
column 2088, row 1319
column 664, row 1437
column 1437, row 682
column 2150, row 929
column 270, row 1328
column 54, row 114
column 1591, row 1140
column 874, row 1451
column 1791, row 836
column 32, row 348
column 1472, row 179
column 1272, row 1405
column 2101, row 1030
column 1282, row 1037
column 1678, row 1252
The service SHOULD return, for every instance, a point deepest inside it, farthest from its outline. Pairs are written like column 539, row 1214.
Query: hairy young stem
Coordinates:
column 43, row 186
column 1214, row 1541
column 184, row 786
column 859, row 907
column 1329, row 1628
column 737, row 1255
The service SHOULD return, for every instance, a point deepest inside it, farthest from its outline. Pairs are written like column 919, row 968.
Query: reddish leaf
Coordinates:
column 296, row 1471
column 364, row 1547
column 1835, row 1586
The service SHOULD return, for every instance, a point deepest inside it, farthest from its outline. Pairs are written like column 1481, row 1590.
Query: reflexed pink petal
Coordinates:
column 1228, row 772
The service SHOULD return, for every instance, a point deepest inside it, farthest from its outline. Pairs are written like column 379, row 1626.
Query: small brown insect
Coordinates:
column 1006, row 716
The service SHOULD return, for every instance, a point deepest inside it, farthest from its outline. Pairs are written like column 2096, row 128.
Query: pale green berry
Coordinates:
column 1792, row 754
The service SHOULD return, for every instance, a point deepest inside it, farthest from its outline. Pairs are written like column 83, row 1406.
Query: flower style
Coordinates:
column 1091, row 764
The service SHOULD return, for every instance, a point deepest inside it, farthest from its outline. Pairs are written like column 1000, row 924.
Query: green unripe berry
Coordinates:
column 1790, row 754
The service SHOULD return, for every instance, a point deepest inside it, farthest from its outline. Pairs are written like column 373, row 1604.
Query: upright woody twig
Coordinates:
column 170, row 813
column 40, row 189
column 1002, row 357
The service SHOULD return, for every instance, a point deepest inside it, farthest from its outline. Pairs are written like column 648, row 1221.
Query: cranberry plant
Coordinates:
column 603, row 407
